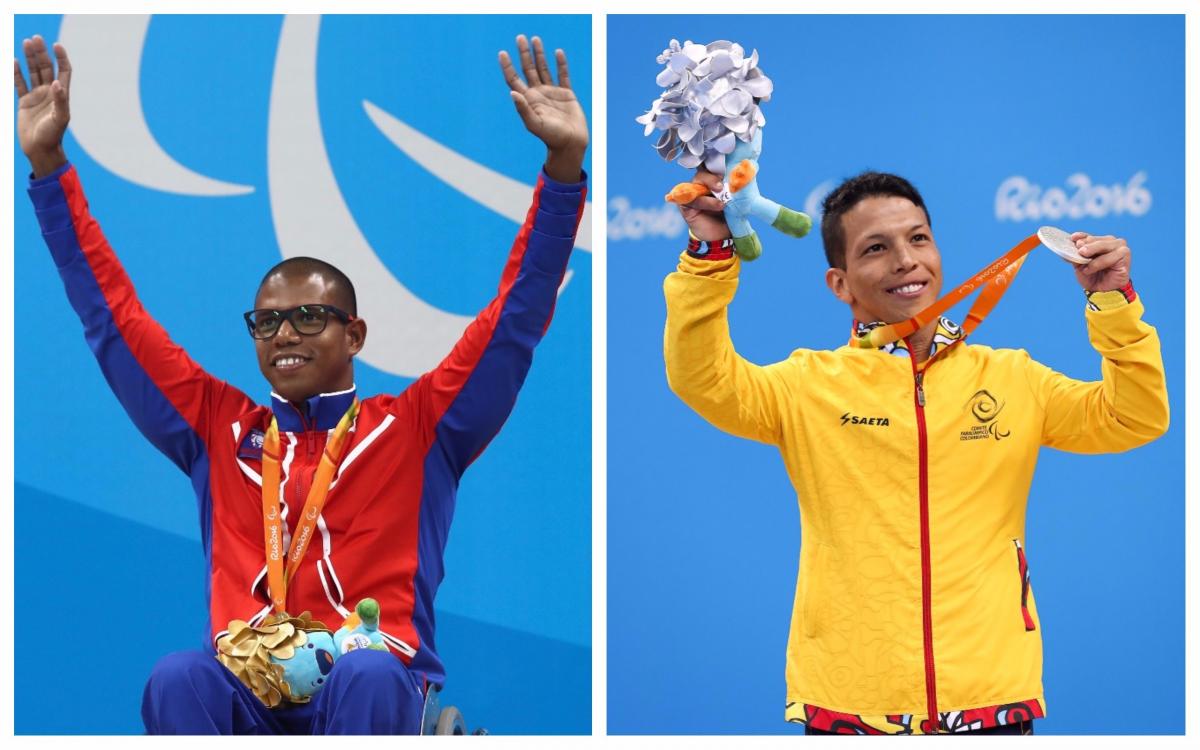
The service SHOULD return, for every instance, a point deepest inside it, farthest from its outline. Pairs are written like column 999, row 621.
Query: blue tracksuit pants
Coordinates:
column 367, row 692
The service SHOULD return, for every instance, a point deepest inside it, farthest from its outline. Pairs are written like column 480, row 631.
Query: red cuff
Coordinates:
column 720, row 250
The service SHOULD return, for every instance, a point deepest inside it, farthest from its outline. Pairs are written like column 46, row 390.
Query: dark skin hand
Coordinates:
column 43, row 105
column 550, row 111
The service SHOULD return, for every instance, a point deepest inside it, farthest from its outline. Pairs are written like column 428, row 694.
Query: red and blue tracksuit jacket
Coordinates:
column 385, row 523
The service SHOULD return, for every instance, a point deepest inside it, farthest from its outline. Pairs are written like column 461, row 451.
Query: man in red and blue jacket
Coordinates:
column 389, row 505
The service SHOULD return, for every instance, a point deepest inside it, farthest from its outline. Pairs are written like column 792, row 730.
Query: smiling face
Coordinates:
column 299, row 366
column 893, row 267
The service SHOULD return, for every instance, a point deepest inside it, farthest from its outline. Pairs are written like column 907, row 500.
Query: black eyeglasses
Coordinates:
column 306, row 319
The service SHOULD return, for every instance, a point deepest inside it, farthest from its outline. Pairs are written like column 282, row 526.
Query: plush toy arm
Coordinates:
column 742, row 175
column 686, row 192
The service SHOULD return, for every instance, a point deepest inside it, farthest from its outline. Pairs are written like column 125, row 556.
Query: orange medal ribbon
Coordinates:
column 279, row 570
column 994, row 281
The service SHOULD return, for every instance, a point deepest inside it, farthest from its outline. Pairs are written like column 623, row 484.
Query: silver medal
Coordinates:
column 1060, row 243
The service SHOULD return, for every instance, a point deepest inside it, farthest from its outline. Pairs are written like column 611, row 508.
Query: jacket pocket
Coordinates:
column 1023, row 570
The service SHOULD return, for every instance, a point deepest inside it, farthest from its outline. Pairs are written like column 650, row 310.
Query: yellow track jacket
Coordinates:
column 913, row 596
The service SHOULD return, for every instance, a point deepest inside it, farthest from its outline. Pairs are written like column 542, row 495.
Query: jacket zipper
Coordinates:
column 307, row 428
column 300, row 496
column 309, row 444
column 926, row 564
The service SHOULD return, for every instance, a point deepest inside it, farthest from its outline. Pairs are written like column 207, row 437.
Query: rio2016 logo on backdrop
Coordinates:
column 1018, row 199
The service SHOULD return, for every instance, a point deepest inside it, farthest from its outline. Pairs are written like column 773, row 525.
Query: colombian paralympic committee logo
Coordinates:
column 308, row 210
column 985, row 409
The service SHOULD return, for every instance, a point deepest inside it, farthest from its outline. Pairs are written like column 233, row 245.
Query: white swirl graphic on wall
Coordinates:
column 488, row 188
column 1018, row 199
column 812, row 204
column 310, row 216
column 107, row 119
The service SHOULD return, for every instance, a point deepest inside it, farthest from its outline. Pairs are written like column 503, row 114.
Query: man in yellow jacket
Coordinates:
column 912, row 464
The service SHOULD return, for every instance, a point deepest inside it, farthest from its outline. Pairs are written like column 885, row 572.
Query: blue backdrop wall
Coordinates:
column 105, row 526
column 1004, row 124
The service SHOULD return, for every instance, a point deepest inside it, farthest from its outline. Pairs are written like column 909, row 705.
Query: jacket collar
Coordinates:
column 321, row 412
column 947, row 333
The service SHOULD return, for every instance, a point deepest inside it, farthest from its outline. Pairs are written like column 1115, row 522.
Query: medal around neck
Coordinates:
column 709, row 115
column 1060, row 243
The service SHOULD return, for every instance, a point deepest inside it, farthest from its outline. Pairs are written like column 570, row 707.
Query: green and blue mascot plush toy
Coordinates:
column 288, row 659
column 709, row 116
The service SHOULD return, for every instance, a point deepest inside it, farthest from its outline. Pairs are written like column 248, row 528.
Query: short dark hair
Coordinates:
column 303, row 266
column 847, row 195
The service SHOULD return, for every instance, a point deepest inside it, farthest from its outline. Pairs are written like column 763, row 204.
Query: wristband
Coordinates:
column 719, row 250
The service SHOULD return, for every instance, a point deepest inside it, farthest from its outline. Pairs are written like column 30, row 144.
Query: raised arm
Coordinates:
column 174, row 403
column 470, row 394
column 43, row 109
column 1129, row 406
column 703, row 368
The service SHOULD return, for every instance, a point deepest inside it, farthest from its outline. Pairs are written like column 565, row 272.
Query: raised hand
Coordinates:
column 43, row 105
column 1108, row 263
column 704, row 214
column 550, row 111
